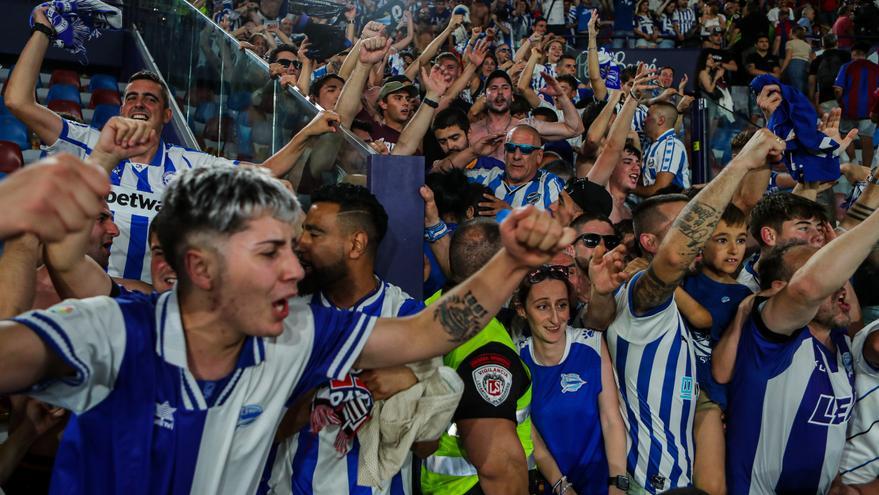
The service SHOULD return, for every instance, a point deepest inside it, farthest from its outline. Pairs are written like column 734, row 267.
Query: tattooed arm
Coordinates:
column 530, row 238
column 695, row 224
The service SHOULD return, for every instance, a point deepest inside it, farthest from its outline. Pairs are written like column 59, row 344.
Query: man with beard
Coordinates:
column 793, row 359
column 499, row 120
column 337, row 249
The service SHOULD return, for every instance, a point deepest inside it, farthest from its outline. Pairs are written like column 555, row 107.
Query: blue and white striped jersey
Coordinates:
column 136, row 194
column 142, row 423
column 666, row 154
column 748, row 275
column 860, row 457
column 789, row 404
column 308, row 464
column 684, row 19
column 541, row 191
column 656, row 370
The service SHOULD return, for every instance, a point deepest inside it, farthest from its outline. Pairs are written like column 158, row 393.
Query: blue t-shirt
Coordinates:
column 623, row 15
column 564, row 409
column 722, row 301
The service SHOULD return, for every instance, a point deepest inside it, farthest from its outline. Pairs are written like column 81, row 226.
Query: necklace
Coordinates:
column 488, row 129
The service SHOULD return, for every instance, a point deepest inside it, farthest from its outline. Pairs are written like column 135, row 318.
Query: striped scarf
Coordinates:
column 78, row 21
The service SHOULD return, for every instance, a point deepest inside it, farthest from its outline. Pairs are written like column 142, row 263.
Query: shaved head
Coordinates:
column 525, row 134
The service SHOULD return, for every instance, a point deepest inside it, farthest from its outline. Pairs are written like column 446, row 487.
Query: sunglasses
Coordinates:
column 287, row 63
column 526, row 149
column 592, row 240
column 555, row 272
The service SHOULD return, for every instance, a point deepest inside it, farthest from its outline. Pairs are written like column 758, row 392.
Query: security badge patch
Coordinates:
column 493, row 382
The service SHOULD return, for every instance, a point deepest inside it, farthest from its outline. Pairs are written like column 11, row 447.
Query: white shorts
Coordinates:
column 866, row 127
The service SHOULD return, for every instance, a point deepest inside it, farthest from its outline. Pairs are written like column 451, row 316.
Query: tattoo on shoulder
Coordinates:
column 460, row 316
column 697, row 222
column 650, row 291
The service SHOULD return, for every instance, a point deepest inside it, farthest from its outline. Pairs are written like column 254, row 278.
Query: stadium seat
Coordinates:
column 212, row 129
column 10, row 157
column 102, row 114
column 64, row 92
column 13, row 130
column 63, row 76
column 103, row 81
column 65, row 106
column 240, row 100
column 105, row 97
column 205, row 111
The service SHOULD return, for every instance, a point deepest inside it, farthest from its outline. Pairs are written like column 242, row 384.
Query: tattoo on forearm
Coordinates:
column 460, row 316
column 697, row 222
column 650, row 291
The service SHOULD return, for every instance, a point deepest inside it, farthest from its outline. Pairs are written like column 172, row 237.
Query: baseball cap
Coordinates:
column 589, row 196
column 395, row 86
column 498, row 73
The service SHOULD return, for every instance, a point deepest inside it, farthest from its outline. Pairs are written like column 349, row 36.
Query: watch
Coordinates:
column 621, row 482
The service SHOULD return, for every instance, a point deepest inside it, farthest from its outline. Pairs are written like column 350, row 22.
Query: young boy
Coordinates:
column 714, row 286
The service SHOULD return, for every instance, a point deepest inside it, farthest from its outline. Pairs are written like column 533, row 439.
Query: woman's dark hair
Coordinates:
column 521, row 294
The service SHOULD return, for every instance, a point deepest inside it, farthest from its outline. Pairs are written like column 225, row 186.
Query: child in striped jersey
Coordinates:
column 715, row 288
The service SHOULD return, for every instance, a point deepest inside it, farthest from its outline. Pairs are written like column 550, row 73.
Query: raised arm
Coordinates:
column 18, row 274
column 287, row 158
column 524, row 83
column 372, row 51
column 20, row 96
column 599, row 89
column 433, row 47
column 474, row 55
column 418, row 125
column 410, row 33
column 598, row 128
column 822, row 275
column 695, row 224
column 571, row 124
column 303, row 83
column 530, row 238
column 612, row 153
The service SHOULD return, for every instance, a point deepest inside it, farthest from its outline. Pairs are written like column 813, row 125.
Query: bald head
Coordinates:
column 523, row 134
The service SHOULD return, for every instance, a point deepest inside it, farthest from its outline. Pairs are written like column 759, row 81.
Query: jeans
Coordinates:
column 620, row 42
column 796, row 74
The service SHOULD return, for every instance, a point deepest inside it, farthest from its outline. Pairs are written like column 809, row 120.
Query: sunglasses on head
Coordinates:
column 592, row 240
column 526, row 149
column 555, row 272
column 287, row 63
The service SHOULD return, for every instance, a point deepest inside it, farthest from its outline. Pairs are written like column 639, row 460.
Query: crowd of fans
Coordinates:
column 594, row 320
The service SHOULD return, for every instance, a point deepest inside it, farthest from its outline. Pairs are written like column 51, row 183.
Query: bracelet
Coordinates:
column 436, row 232
column 42, row 28
column 561, row 486
column 432, row 104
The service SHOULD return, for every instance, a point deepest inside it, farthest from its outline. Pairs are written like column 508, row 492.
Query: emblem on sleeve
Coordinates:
column 164, row 415
column 493, row 383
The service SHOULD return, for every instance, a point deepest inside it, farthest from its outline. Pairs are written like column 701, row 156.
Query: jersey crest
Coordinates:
column 493, row 383
column 571, row 382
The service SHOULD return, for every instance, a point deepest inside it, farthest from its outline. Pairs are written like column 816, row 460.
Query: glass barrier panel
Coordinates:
column 232, row 105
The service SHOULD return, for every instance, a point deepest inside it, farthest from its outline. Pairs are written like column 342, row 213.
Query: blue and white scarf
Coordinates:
column 811, row 155
column 77, row 21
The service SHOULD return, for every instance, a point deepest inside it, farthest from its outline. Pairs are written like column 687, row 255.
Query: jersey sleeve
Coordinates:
column 339, row 336
column 199, row 159
column 862, row 365
column 494, row 379
column 645, row 327
column 75, row 138
column 89, row 335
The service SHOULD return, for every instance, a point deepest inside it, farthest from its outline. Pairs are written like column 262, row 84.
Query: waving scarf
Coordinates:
column 77, row 21
column 811, row 156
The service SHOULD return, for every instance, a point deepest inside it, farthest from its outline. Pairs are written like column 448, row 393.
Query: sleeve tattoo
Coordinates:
column 696, row 223
column 461, row 316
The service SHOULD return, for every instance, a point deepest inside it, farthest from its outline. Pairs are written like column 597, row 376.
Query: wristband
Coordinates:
column 436, row 232
column 432, row 104
column 42, row 28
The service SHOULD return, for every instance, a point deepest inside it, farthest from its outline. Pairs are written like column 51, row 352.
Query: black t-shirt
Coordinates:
column 825, row 67
column 766, row 64
column 494, row 379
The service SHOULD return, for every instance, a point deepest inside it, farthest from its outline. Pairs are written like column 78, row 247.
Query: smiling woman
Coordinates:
column 572, row 375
